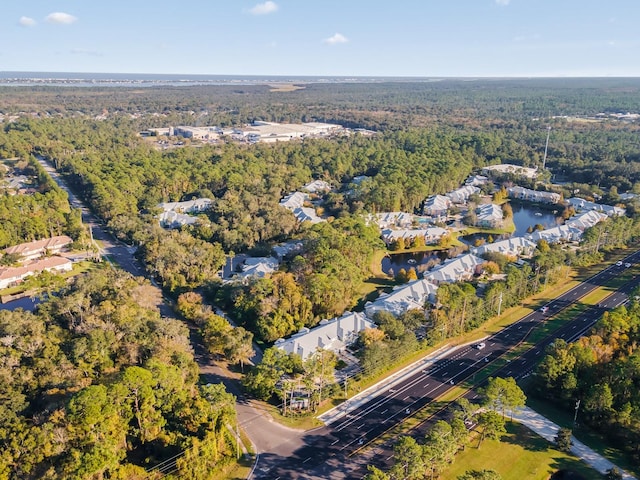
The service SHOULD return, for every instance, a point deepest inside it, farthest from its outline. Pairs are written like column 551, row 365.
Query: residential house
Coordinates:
column 196, row 205
column 394, row 219
column 436, row 207
column 257, row 267
column 13, row 275
column 513, row 247
column 173, row 219
column 507, row 168
column 562, row 233
column 431, row 235
column 306, row 214
column 456, row 270
column 586, row 220
column 489, row 215
column 294, row 200
column 39, row 248
column 462, row 194
column 476, row 180
column 521, row 193
column 582, row 205
column 283, row 249
column 334, row 335
column 317, row 186
column 413, row 295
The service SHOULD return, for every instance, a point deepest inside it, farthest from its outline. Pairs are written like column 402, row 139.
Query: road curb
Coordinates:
column 334, row 414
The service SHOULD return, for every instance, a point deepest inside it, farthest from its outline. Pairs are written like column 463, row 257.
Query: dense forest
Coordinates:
column 601, row 371
column 93, row 385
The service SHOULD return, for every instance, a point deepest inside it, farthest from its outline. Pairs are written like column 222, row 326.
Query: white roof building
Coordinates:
column 462, row 194
column 257, row 267
column 580, row 205
column 562, row 233
column 190, row 206
column 294, row 200
column 455, row 270
column 172, row 219
column 431, row 234
column 413, row 295
column 394, row 219
column 489, row 214
column 513, row 169
column 521, row 193
column 586, row 220
column 514, row 247
column 283, row 249
column 306, row 214
column 317, row 186
column 436, row 205
column 476, row 180
column 334, row 335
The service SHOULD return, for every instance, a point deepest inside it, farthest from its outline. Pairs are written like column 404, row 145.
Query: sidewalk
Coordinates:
column 548, row 430
column 333, row 415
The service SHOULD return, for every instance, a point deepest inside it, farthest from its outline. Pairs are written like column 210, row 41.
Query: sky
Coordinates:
column 401, row 38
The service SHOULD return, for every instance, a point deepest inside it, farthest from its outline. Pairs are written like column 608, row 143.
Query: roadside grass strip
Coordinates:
column 520, row 454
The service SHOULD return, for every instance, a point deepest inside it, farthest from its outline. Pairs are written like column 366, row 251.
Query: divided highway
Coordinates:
column 336, row 451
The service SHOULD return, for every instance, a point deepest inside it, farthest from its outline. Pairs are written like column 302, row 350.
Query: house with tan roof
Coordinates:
column 39, row 248
column 13, row 275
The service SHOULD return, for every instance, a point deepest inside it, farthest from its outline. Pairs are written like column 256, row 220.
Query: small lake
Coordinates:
column 421, row 261
column 25, row 303
column 525, row 216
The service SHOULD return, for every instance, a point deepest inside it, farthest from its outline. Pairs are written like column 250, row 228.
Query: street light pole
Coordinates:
column 575, row 416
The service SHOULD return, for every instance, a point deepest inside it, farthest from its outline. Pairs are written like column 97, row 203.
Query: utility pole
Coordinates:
column 575, row 416
column 546, row 146
column 499, row 303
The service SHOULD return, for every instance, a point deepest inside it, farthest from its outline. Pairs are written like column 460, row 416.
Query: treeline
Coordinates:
column 598, row 376
column 37, row 215
column 378, row 105
column 95, row 386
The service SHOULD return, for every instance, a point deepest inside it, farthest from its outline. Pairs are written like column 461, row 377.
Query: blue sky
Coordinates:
column 324, row 37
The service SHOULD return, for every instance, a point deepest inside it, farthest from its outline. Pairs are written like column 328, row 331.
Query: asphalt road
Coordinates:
column 335, row 451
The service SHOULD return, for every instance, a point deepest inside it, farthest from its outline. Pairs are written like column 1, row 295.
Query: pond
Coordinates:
column 525, row 216
column 25, row 303
column 421, row 261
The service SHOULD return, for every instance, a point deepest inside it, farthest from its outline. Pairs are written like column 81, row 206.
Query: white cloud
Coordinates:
column 60, row 18
column 335, row 39
column 27, row 22
column 503, row 2
column 264, row 8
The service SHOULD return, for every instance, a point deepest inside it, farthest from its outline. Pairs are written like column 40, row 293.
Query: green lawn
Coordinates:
column 520, row 455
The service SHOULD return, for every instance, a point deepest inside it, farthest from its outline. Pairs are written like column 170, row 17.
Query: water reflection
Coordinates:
column 525, row 216
column 25, row 303
column 420, row 261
